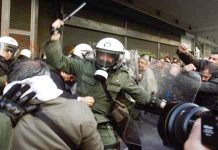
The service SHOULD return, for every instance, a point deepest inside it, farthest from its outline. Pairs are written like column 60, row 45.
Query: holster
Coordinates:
column 119, row 111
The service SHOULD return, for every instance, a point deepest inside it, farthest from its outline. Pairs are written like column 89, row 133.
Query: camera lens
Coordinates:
column 176, row 122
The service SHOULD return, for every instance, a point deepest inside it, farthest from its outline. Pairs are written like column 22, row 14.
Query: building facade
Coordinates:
column 28, row 22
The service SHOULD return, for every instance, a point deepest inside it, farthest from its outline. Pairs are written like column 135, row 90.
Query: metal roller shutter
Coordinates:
column 144, row 47
column 20, row 14
column 73, row 36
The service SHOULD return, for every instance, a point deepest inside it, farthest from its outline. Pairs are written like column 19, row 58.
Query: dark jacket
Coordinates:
column 188, row 58
column 208, row 91
column 58, row 80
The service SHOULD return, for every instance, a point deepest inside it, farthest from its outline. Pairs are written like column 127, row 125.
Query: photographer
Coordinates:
column 194, row 140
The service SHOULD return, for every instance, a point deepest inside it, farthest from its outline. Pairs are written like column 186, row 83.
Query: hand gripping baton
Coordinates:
column 60, row 29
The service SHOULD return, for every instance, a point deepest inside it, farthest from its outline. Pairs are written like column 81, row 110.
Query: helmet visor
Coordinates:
column 106, row 59
column 7, row 47
column 87, row 54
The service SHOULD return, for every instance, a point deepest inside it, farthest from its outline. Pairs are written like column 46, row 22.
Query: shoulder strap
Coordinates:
column 56, row 129
column 108, row 95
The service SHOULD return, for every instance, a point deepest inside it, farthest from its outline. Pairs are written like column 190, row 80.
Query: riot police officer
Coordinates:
column 106, row 67
column 8, row 49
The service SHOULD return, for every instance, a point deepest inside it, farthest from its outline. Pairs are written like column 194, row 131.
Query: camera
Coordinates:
column 177, row 119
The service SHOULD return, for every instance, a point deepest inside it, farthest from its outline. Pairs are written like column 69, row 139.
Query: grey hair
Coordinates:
column 27, row 69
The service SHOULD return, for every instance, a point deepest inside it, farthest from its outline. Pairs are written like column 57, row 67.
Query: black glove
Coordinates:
column 156, row 105
column 155, row 102
column 14, row 106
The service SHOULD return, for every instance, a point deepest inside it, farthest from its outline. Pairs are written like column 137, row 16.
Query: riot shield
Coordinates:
column 173, row 84
column 133, row 63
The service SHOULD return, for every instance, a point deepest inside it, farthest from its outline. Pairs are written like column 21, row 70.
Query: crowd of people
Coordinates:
column 83, row 100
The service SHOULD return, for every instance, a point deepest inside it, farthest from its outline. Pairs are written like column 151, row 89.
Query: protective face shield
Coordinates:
column 109, row 54
column 8, row 44
column 84, row 51
column 127, row 57
column 106, row 59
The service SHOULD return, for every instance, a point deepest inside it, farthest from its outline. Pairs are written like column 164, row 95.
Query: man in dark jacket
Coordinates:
column 188, row 58
column 209, row 78
column 208, row 91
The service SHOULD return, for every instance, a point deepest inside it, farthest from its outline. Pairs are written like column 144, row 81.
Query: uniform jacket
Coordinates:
column 4, row 68
column 73, row 117
column 87, row 85
column 5, row 132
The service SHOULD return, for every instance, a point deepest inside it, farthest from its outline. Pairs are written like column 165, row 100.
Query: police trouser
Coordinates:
column 106, row 131
column 108, row 136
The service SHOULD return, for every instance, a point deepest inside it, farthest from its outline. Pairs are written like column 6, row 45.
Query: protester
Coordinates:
column 207, row 93
column 12, row 108
column 198, row 64
column 146, row 77
column 74, row 119
column 167, row 59
column 64, row 82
